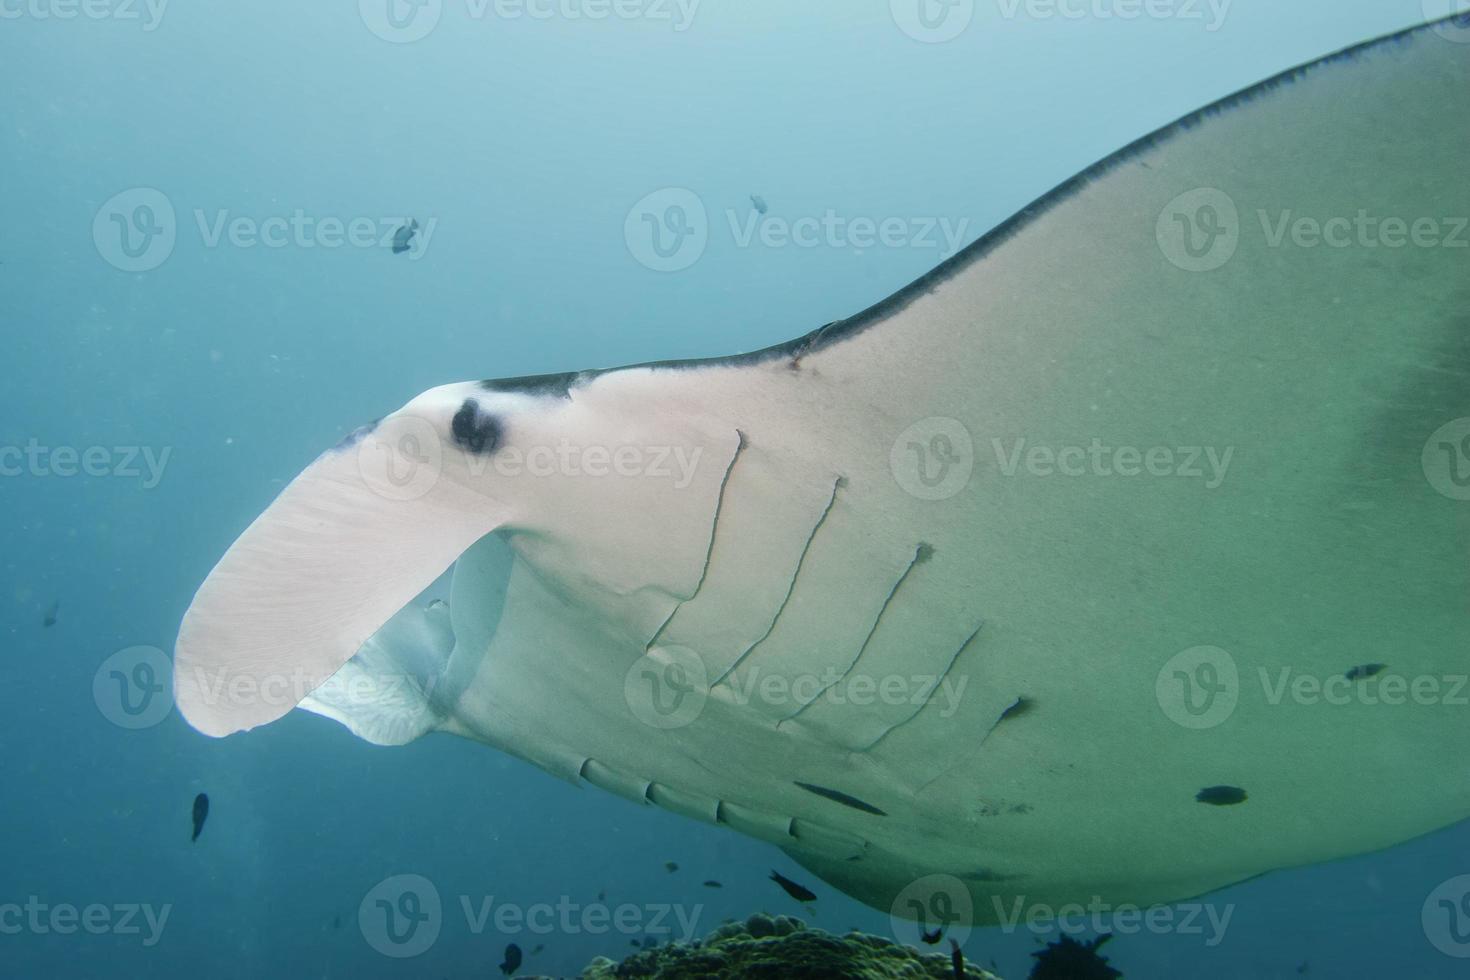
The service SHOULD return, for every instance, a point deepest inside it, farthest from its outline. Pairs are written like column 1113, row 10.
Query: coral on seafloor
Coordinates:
column 782, row 948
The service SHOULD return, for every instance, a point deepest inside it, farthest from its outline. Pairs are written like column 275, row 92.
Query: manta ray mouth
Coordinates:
column 397, row 687
column 407, row 679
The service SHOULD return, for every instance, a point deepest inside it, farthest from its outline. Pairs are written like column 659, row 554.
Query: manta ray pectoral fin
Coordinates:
column 1204, row 406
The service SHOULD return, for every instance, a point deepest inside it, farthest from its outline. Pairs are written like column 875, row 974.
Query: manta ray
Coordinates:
column 1120, row 558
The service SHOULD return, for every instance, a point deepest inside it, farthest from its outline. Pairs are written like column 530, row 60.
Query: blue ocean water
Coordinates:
column 195, row 357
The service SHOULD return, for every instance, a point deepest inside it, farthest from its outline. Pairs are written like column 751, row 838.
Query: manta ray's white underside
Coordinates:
column 827, row 594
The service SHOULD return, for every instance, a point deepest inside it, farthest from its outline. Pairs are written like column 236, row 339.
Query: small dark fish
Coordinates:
column 1365, row 671
column 1303, row 968
column 539, row 948
column 930, row 938
column 798, row 892
column 1070, row 959
column 670, row 867
column 512, row 960
column 49, row 620
column 957, row 959
column 759, row 202
column 403, row 237
column 602, row 896
column 634, row 942
column 713, row 884
column 201, row 811
column 1222, row 795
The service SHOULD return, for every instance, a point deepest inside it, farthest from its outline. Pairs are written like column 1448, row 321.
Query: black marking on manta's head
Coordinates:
column 479, row 432
column 1365, row 671
column 837, row 796
column 554, row 385
column 1221, row 795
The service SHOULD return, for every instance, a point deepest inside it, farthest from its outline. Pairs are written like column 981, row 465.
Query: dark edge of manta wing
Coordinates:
column 1007, row 229
column 559, row 385
column 839, row 330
